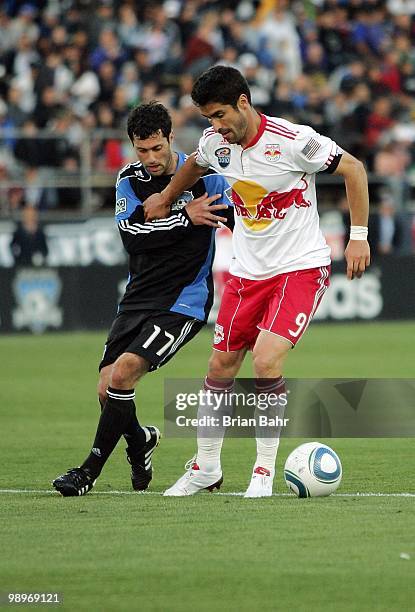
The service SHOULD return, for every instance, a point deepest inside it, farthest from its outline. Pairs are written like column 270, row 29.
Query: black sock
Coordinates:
column 135, row 436
column 115, row 418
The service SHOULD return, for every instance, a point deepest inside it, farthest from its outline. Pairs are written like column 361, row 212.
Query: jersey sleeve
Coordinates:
column 215, row 183
column 313, row 152
column 138, row 235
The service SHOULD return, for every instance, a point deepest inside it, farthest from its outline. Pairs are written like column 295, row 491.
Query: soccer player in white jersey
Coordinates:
column 281, row 263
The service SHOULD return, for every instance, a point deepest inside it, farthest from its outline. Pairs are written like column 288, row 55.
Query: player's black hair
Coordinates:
column 147, row 119
column 221, row 84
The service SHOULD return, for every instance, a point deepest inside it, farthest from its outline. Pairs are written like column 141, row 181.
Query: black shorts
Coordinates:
column 156, row 336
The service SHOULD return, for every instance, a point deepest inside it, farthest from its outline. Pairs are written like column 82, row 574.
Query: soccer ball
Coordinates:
column 313, row 470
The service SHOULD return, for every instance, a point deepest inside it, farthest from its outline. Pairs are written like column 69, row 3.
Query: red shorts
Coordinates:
column 283, row 305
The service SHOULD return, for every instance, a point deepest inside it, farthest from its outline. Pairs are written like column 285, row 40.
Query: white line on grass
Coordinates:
column 224, row 494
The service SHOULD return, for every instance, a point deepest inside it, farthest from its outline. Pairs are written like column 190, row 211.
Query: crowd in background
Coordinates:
column 70, row 67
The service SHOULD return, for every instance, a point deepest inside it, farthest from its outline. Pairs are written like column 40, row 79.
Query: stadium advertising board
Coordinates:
column 86, row 272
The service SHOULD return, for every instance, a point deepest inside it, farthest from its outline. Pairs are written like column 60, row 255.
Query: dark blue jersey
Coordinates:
column 170, row 260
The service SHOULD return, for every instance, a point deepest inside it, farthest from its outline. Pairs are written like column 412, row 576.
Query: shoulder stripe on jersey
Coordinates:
column 120, row 176
column 331, row 156
column 280, row 133
column 282, row 128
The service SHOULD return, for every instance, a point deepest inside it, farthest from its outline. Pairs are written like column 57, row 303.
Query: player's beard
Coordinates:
column 238, row 129
column 163, row 166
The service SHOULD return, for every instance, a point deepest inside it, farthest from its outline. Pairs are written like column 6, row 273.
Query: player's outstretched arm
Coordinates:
column 157, row 206
column 357, row 252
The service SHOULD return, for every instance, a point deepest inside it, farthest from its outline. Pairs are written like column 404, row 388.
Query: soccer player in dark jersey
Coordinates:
column 168, row 296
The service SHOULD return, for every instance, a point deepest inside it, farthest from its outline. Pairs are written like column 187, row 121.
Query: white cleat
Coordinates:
column 194, row 481
column 261, row 483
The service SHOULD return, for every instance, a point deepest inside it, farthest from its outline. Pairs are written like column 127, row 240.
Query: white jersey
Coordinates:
column 273, row 190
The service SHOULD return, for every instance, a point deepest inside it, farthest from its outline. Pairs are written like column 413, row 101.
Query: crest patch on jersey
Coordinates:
column 121, row 206
column 224, row 156
column 182, row 200
column 272, row 152
column 311, row 148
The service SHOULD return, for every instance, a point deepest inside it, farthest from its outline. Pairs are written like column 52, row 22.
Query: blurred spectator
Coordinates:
column 401, row 7
column 334, row 35
column 388, row 228
column 11, row 197
column 6, row 35
column 392, row 162
column 120, row 106
column 103, row 18
column 22, row 56
column 15, row 112
column 69, row 198
column 281, row 103
column 54, row 74
column 109, row 49
column 107, row 76
column 29, row 148
column 282, row 40
column 259, row 79
column 202, row 48
column 6, row 125
column 33, row 192
column 47, row 107
column 85, row 89
column 147, row 73
column 379, row 120
column 129, row 80
column 28, row 245
column 370, row 29
column 25, row 23
column 129, row 29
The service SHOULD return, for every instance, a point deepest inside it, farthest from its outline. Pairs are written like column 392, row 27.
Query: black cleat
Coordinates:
column 141, row 467
column 76, row 481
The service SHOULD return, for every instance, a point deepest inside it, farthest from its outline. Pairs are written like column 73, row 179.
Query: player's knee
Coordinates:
column 102, row 388
column 127, row 370
column 103, row 382
column 267, row 366
column 102, row 394
column 222, row 365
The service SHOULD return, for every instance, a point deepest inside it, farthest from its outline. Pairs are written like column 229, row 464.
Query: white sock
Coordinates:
column 266, row 453
column 209, row 448
column 208, row 454
column 267, row 447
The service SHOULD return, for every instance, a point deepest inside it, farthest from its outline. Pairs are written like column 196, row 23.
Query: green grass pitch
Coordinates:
column 109, row 552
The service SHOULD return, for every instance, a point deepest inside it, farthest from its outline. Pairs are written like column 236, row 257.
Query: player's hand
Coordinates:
column 202, row 212
column 156, row 207
column 357, row 255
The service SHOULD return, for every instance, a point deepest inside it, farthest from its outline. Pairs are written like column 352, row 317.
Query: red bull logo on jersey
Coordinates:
column 272, row 153
column 258, row 208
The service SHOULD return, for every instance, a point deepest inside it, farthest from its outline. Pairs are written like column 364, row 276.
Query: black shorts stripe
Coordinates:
column 154, row 335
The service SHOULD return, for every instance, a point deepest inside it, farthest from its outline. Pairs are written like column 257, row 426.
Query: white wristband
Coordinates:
column 358, row 232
